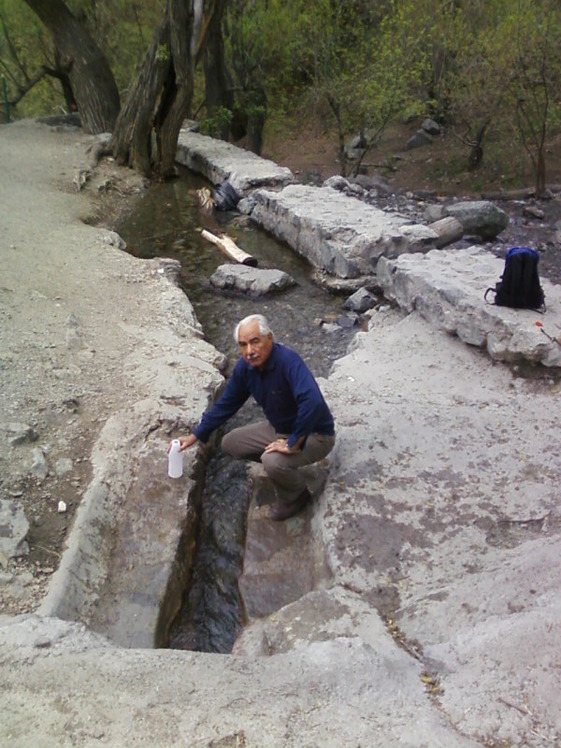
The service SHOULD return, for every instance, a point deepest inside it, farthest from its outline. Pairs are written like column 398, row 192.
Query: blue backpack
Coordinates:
column 519, row 286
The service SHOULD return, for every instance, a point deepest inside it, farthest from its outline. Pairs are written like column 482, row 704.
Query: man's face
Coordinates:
column 254, row 346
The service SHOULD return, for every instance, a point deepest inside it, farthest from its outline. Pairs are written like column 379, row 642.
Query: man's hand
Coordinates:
column 185, row 442
column 280, row 445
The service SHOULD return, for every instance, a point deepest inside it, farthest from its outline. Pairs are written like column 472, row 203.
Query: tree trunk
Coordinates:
column 218, row 82
column 449, row 230
column 89, row 74
column 476, row 152
column 67, row 89
column 133, row 130
column 336, row 109
column 540, row 173
column 176, row 101
column 161, row 96
column 256, row 116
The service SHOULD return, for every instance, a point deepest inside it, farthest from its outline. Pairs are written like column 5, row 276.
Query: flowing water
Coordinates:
column 166, row 222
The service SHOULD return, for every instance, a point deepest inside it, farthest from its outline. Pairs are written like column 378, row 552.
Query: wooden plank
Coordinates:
column 230, row 248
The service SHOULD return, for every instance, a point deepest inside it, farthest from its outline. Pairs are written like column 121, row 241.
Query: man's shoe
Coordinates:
column 279, row 511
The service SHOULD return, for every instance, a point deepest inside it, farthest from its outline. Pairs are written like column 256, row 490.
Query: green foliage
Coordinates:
column 214, row 125
column 122, row 29
column 30, row 42
column 163, row 53
column 488, row 68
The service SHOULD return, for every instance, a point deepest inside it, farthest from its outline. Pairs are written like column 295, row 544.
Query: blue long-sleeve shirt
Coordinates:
column 285, row 389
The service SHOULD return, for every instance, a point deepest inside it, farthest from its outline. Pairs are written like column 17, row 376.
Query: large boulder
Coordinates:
column 419, row 139
column 480, row 217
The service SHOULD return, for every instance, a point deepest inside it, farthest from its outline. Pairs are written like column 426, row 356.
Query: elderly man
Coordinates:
column 299, row 429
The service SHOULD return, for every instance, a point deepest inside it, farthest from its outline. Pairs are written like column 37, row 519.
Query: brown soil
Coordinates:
column 440, row 167
column 439, row 171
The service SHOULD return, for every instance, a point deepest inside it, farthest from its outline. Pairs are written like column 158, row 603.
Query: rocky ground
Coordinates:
column 441, row 508
column 420, row 177
column 59, row 361
column 49, row 370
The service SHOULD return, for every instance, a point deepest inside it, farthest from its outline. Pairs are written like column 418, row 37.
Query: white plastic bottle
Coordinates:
column 175, row 460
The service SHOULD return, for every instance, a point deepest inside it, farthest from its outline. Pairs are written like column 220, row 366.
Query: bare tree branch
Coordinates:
column 13, row 52
column 29, row 84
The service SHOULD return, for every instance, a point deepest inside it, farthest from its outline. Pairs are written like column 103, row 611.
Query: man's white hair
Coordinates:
column 264, row 327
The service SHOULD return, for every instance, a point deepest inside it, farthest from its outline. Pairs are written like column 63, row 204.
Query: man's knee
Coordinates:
column 229, row 443
column 273, row 462
column 235, row 446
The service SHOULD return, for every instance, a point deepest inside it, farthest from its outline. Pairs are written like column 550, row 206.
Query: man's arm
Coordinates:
column 231, row 400
column 309, row 403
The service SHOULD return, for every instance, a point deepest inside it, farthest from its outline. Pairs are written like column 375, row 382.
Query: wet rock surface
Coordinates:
column 252, row 281
column 433, row 620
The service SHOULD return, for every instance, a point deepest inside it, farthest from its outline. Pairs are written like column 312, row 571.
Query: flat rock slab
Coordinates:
column 447, row 288
column 60, row 684
column 120, row 572
column 281, row 558
column 249, row 280
column 442, row 510
column 340, row 235
column 278, row 563
column 218, row 160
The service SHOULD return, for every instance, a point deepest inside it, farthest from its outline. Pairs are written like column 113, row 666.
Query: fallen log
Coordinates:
column 449, row 230
column 230, row 248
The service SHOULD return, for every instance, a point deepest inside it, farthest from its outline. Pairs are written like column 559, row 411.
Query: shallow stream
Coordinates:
column 166, row 222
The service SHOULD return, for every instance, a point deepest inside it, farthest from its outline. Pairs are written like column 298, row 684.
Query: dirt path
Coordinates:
column 60, row 346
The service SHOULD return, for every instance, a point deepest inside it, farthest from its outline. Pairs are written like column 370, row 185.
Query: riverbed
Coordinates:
column 166, row 221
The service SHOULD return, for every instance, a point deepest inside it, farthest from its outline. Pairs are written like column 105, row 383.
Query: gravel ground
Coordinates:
column 59, row 341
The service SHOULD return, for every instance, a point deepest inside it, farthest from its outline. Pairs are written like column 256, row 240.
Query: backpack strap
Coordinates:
column 493, row 290
column 527, row 279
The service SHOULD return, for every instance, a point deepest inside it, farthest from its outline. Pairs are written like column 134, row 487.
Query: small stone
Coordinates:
column 430, row 126
column 13, row 530
column 19, row 433
column 330, row 327
column 347, row 321
column 39, row 467
column 531, row 211
column 63, row 466
column 61, row 508
column 360, row 301
column 419, row 139
column 114, row 240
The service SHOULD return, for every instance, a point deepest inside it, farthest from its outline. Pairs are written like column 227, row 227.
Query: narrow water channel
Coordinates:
column 166, row 222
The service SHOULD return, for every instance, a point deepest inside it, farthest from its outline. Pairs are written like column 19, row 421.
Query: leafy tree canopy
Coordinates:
column 480, row 67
